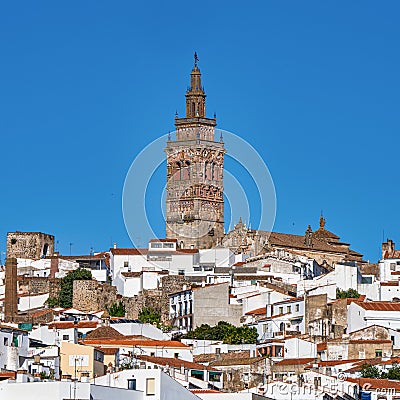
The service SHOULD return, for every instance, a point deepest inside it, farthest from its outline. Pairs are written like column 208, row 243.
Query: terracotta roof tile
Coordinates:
column 104, row 332
column 257, row 311
column 174, row 362
column 368, row 383
column 128, row 252
column 379, row 305
column 127, row 342
column 295, row 361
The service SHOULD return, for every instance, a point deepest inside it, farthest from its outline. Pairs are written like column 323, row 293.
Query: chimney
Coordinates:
column 11, row 299
column 22, row 376
column 115, row 245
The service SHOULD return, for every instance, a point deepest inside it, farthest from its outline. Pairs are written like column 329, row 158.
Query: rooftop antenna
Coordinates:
column 70, row 248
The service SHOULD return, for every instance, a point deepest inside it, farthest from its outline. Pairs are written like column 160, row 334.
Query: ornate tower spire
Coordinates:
column 195, row 168
column 195, row 96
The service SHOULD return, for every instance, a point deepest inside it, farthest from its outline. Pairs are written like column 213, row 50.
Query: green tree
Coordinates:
column 150, row 316
column 226, row 332
column 347, row 294
column 53, row 302
column 392, row 373
column 66, row 292
column 370, row 371
column 117, row 309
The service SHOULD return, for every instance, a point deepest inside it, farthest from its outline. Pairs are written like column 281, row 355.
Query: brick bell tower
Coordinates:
column 195, row 172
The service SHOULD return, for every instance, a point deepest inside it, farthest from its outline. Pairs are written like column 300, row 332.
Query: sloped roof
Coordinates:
column 257, row 311
column 369, row 383
column 128, row 252
column 297, row 241
column 392, row 254
column 104, row 332
column 174, row 362
column 295, row 361
column 378, row 305
column 128, row 342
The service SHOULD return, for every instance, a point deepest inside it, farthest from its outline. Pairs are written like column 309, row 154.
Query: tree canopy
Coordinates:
column 371, row 371
column 347, row 294
column 117, row 309
column 64, row 299
column 224, row 331
column 149, row 316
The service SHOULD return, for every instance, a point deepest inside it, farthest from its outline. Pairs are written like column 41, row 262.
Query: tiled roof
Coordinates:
column 104, row 332
column 128, row 252
column 206, row 358
column 164, row 240
column 297, row 241
column 391, row 283
column 108, row 351
column 295, row 361
column 292, row 300
column 323, row 233
column 257, row 311
column 174, row 362
column 392, row 254
column 134, row 342
column 71, row 324
column 187, row 251
column 7, row 375
column 136, row 274
column 368, row 383
column 236, row 361
column 199, row 391
column 379, row 306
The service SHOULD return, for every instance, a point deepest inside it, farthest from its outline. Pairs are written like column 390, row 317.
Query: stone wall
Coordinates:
column 94, row 296
column 32, row 245
column 39, row 285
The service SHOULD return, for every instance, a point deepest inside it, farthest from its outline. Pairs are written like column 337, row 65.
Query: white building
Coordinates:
column 14, row 346
column 60, row 390
column 363, row 314
column 153, row 384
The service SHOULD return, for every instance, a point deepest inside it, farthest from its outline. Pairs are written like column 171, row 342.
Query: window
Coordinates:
column 98, row 356
column 6, row 341
column 181, row 272
column 156, row 245
column 152, row 354
column 378, row 353
column 176, row 355
column 297, row 307
column 65, row 337
column 131, row 384
column 280, row 310
column 289, row 309
column 150, row 386
column 393, row 266
column 218, row 350
column 168, row 245
column 126, row 264
column 392, row 338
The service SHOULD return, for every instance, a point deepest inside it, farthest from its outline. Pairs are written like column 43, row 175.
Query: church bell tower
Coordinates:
column 195, row 169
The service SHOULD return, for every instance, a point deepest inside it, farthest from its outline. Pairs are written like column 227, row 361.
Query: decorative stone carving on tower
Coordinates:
column 195, row 169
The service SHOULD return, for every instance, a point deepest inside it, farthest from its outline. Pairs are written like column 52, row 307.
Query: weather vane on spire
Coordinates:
column 196, row 59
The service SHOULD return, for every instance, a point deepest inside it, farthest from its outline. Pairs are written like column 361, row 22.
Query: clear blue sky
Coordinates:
column 313, row 85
